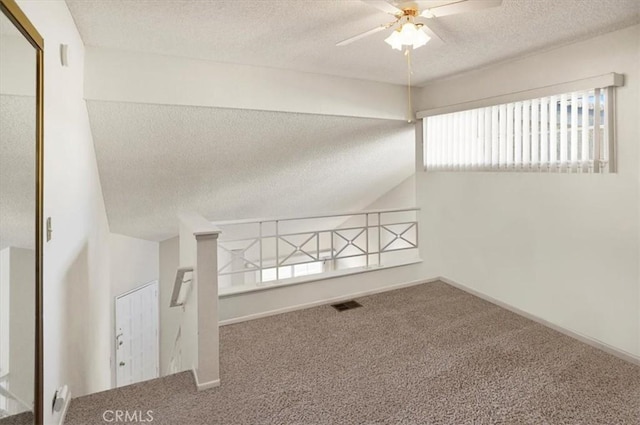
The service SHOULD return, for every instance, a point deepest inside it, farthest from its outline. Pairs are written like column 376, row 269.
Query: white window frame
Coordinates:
column 605, row 83
column 291, row 268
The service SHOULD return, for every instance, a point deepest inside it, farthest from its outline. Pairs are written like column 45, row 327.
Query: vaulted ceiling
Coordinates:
column 158, row 160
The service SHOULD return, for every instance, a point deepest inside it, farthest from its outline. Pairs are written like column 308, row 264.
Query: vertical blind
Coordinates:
column 563, row 133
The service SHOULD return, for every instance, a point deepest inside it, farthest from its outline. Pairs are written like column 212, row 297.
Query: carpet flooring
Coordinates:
column 428, row 354
column 19, row 419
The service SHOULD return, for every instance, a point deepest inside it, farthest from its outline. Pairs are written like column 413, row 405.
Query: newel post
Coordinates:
column 207, row 374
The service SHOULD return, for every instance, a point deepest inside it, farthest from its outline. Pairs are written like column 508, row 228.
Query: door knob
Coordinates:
column 118, row 340
column 121, row 363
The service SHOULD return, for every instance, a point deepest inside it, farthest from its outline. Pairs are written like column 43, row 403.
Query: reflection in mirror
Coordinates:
column 17, row 224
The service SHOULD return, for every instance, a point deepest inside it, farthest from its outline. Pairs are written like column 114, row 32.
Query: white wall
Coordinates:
column 76, row 261
column 285, row 298
column 114, row 75
column 562, row 247
column 169, row 317
column 401, row 196
column 133, row 263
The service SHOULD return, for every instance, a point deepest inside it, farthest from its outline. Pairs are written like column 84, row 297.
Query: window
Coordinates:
column 570, row 132
column 296, row 270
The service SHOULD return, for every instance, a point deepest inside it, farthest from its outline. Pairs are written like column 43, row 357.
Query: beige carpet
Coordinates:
column 429, row 354
column 19, row 419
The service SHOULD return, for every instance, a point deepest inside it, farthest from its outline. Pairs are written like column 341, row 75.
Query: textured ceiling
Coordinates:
column 156, row 161
column 17, row 171
column 301, row 34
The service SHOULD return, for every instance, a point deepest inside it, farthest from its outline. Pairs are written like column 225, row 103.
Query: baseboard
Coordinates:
column 624, row 355
column 621, row 354
column 204, row 385
column 324, row 301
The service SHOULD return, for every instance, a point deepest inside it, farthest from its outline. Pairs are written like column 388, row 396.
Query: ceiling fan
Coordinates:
column 408, row 29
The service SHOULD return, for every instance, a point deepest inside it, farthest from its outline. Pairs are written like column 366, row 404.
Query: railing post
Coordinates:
column 379, row 241
column 366, row 226
column 237, row 266
column 277, row 252
column 207, row 373
column 261, row 266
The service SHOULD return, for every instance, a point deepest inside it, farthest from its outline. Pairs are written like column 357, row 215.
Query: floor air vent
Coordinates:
column 347, row 305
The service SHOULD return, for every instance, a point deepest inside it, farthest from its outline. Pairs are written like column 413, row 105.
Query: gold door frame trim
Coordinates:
column 13, row 12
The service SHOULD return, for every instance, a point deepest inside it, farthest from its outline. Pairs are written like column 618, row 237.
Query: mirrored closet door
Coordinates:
column 20, row 218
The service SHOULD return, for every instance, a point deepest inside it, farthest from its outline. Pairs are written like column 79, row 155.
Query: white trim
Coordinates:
column 621, row 354
column 324, row 301
column 207, row 234
column 606, row 80
column 204, row 385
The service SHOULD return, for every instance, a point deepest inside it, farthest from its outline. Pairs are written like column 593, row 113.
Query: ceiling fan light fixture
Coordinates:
column 394, row 40
column 420, row 39
column 408, row 34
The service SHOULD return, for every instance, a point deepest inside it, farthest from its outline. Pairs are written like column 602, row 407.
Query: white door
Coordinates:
column 137, row 346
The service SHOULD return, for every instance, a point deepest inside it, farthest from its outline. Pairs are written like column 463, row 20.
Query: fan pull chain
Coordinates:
column 407, row 53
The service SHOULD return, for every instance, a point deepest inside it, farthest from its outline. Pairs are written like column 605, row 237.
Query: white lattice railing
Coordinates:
column 255, row 252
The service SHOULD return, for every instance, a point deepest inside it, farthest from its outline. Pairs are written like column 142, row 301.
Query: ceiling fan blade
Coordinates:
column 363, row 35
column 435, row 38
column 424, row 4
column 383, row 6
column 460, row 6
